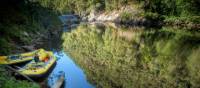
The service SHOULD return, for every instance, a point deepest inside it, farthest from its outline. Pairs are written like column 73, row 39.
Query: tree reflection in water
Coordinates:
column 141, row 58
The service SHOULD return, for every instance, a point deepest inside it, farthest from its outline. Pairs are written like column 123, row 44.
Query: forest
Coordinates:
column 178, row 10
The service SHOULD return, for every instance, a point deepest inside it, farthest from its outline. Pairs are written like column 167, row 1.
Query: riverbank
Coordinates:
column 136, row 16
column 128, row 15
column 38, row 40
column 35, row 40
column 24, row 26
column 133, row 12
column 25, row 30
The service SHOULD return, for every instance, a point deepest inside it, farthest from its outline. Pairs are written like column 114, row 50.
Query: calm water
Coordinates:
column 120, row 57
column 74, row 76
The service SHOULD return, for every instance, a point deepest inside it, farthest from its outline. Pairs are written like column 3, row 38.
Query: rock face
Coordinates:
column 112, row 15
column 134, row 13
column 103, row 16
column 128, row 16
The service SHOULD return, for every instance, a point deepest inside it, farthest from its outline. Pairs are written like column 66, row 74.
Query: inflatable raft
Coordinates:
column 41, row 67
column 18, row 58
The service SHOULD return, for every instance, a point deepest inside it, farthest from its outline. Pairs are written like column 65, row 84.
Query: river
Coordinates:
column 135, row 57
column 74, row 75
column 113, row 56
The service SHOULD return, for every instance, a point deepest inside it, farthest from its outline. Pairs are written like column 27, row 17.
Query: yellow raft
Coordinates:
column 18, row 58
column 38, row 69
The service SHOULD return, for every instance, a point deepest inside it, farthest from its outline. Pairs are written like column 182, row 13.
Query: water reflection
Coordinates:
column 125, row 58
column 74, row 76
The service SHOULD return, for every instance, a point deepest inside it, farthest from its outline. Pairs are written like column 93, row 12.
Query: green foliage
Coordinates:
column 175, row 12
column 152, row 59
column 153, row 8
column 193, row 65
column 183, row 19
column 7, row 81
column 126, row 16
column 5, row 46
column 168, row 7
column 79, row 6
column 21, row 21
column 153, row 16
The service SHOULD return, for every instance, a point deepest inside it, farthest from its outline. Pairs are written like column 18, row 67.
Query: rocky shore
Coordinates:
column 132, row 16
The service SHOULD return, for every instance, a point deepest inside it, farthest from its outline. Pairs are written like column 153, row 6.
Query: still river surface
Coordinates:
column 74, row 75
column 114, row 56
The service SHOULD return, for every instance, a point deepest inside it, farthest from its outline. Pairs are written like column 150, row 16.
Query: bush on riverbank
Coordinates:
column 175, row 12
column 182, row 21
